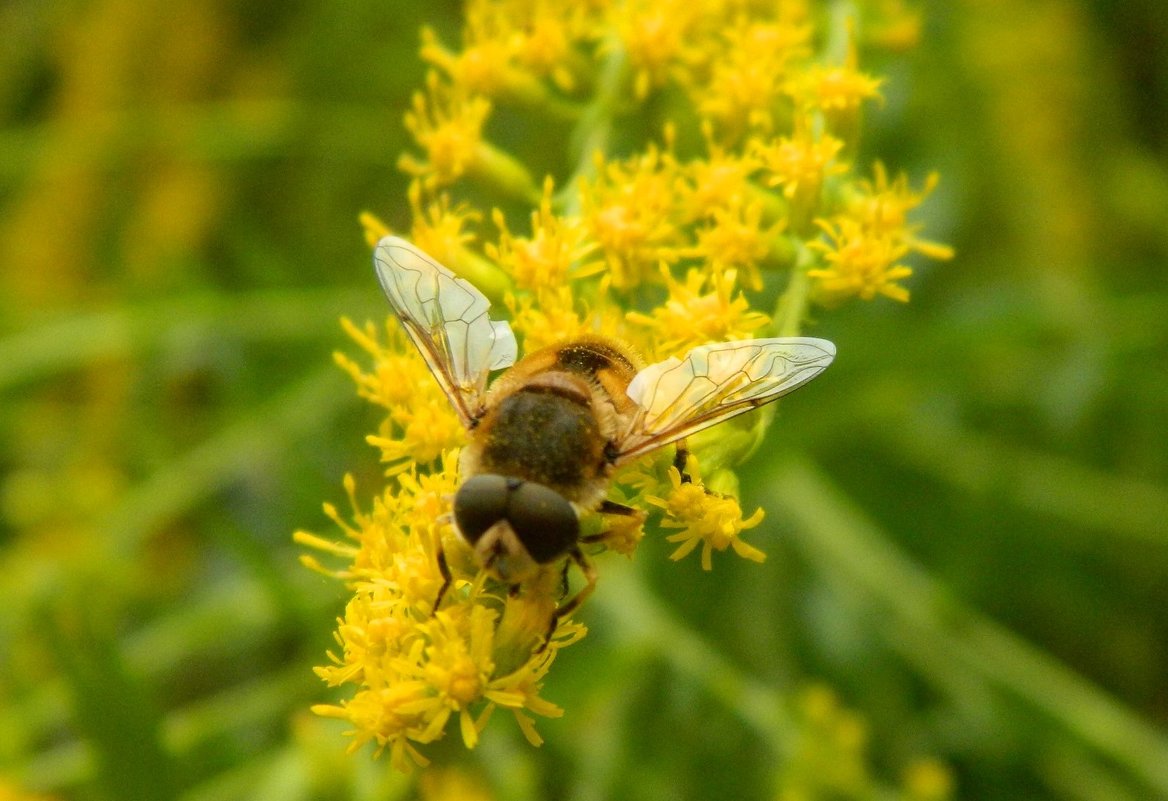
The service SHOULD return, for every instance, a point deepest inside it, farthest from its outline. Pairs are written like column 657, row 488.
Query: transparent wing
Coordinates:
column 446, row 317
column 712, row 383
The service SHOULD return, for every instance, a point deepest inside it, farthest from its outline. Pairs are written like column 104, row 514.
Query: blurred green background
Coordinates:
column 967, row 516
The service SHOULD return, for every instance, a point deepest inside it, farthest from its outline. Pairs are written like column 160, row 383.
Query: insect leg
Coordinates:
column 608, row 507
column 444, row 569
column 679, row 461
column 564, row 579
column 572, row 605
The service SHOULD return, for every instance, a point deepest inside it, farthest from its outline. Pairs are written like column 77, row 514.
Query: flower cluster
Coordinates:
column 660, row 244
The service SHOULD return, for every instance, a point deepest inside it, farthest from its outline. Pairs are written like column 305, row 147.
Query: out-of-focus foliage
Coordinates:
column 966, row 530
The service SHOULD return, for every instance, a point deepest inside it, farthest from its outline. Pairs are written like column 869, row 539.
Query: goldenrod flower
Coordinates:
column 483, row 65
column 557, row 249
column 419, row 425
column 544, row 44
column 555, row 314
column 736, row 238
column 651, row 244
column 508, row 47
column 798, row 164
column 448, row 124
column 834, row 89
column 746, row 80
column 830, row 750
column 859, row 264
column 703, row 308
column 441, row 227
column 418, row 666
column 866, row 243
column 707, row 519
column 629, row 211
column 655, row 36
column 882, row 206
column 717, row 182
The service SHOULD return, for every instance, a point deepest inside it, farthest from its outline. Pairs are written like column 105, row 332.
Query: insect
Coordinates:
column 546, row 436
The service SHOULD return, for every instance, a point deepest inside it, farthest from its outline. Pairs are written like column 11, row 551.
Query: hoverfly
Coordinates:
column 544, row 439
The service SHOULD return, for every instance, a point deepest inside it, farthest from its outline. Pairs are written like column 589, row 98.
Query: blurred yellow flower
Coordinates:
column 448, row 123
column 746, row 78
column 655, row 36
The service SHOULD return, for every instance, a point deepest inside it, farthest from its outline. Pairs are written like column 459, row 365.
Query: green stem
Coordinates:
column 643, row 621
column 591, row 134
column 227, row 132
column 927, row 623
column 1041, row 482
column 791, row 308
column 213, row 465
column 158, row 652
column 80, row 339
column 644, row 624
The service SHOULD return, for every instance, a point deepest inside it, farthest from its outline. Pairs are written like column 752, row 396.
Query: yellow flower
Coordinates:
column 389, row 384
column 869, row 238
column 417, row 666
column 830, row 749
column 558, row 248
column 630, row 210
column 508, row 47
column 799, row 164
column 892, row 25
column 719, row 181
column 623, row 533
column 746, row 80
column 545, row 40
column 882, row 206
column 701, row 309
column 737, row 239
column 834, row 89
column 440, row 227
column 655, row 36
column 453, row 661
column 381, row 716
column 712, row 521
column 482, row 66
column 448, row 124
column 420, row 425
column 555, row 314
column 859, row 264
column 420, row 436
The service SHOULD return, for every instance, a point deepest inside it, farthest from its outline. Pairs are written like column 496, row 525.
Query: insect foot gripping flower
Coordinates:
column 554, row 368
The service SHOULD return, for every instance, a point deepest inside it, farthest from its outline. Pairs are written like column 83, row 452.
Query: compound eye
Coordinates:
column 480, row 502
column 544, row 521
